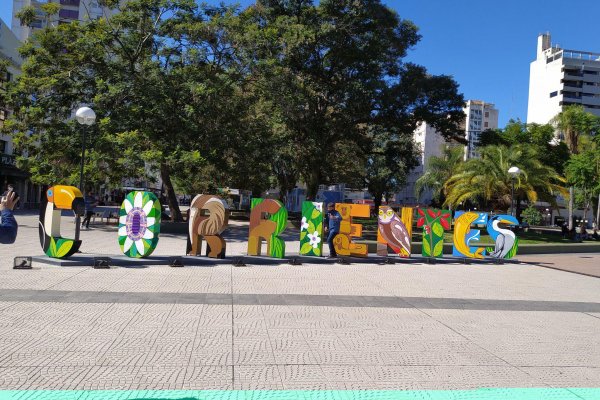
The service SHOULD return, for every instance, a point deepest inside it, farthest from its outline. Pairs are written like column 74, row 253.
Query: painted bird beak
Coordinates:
column 67, row 198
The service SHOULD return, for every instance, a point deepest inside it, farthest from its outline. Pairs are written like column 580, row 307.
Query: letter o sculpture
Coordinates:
column 139, row 224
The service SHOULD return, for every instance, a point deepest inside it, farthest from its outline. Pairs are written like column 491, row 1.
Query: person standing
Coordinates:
column 90, row 203
column 8, row 223
column 332, row 227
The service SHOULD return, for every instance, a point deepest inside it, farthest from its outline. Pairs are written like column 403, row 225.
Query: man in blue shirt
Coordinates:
column 333, row 219
column 8, row 223
column 90, row 203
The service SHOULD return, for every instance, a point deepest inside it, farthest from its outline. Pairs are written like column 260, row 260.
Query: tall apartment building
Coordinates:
column 480, row 116
column 560, row 77
column 9, row 173
column 70, row 10
column 431, row 144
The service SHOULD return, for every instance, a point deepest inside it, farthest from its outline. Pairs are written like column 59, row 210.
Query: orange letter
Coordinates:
column 343, row 241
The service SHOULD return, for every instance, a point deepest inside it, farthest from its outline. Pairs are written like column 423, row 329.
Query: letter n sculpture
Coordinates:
column 268, row 219
column 394, row 232
column 59, row 198
column 209, row 216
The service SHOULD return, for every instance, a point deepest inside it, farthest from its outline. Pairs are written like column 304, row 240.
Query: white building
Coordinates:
column 560, row 77
column 9, row 173
column 70, row 10
column 480, row 116
column 430, row 143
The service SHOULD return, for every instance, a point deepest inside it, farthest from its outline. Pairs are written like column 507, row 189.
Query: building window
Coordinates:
column 3, row 146
column 69, row 14
column 485, row 124
column 590, row 72
column 70, row 2
column 553, row 94
column 3, row 114
column 487, row 114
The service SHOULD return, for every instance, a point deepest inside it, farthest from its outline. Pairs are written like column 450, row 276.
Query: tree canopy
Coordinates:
column 211, row 96
column 486, row 180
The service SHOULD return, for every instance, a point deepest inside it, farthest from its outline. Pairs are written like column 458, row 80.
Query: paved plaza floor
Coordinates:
column 305, row 327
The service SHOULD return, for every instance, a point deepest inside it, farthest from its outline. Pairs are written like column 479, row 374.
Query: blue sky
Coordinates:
column 487, row 45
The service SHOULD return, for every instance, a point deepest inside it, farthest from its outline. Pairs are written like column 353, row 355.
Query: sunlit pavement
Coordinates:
column 308, row 327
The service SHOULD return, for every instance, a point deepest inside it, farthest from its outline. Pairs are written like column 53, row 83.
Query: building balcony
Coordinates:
column 581, row 55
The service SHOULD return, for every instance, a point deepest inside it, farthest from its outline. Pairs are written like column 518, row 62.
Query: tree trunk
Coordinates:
column 377, row 202
column 165, row 175
column 585, row 210
column 598, row 213
column 571, row 200
column 312, row 186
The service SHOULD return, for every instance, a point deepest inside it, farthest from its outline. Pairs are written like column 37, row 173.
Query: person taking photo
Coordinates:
column 8, row 223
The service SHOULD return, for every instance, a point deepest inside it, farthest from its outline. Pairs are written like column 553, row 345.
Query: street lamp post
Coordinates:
column 85, row 116
column 513, row 172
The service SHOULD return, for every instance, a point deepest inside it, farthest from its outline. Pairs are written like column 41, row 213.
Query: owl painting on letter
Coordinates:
column 393, row 231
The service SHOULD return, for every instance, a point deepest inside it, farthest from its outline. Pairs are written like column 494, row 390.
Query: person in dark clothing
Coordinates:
column 565, row 230
column 8, row 223
column 90, row 203
column 332, row 226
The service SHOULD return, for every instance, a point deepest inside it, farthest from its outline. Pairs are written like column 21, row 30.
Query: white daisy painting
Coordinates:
column 139, row 224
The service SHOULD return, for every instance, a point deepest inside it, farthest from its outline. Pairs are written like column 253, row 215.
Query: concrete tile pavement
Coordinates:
column 359, row 340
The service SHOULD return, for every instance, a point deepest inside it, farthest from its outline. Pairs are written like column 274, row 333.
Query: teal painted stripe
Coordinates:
column 478, row 394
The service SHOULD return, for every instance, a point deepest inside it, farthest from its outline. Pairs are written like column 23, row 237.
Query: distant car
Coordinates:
column 523, row 226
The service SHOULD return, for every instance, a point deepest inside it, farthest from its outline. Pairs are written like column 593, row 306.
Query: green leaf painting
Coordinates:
column 277, row 249
column 311, row 229
column 59, row 247
column 433, row 222
column 268, row 219
column 139, row 224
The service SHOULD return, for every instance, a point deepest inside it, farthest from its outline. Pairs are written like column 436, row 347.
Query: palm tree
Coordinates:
column 438, row 170
column 572, row 123
column 487, row 180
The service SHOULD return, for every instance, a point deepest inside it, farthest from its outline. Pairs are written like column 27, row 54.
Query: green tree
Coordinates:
column 485, row 181
column 573, row 123
column 541, row 136
column 583, row 173
column 387, row 165
column 437, row 171
column 160, row 74
column 332, row 71
column 532, row 216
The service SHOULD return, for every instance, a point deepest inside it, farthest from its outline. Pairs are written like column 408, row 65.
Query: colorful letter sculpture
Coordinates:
column 311, row 229
column 209, row 216
column 343, row 241
column 506, row 241
column 464, row 235
column 394, row 232
column 268, row 219
column 139, row 224
column 59, row 198
column 433, row 222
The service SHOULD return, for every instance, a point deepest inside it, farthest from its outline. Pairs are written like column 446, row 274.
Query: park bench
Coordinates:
column 105, row 215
